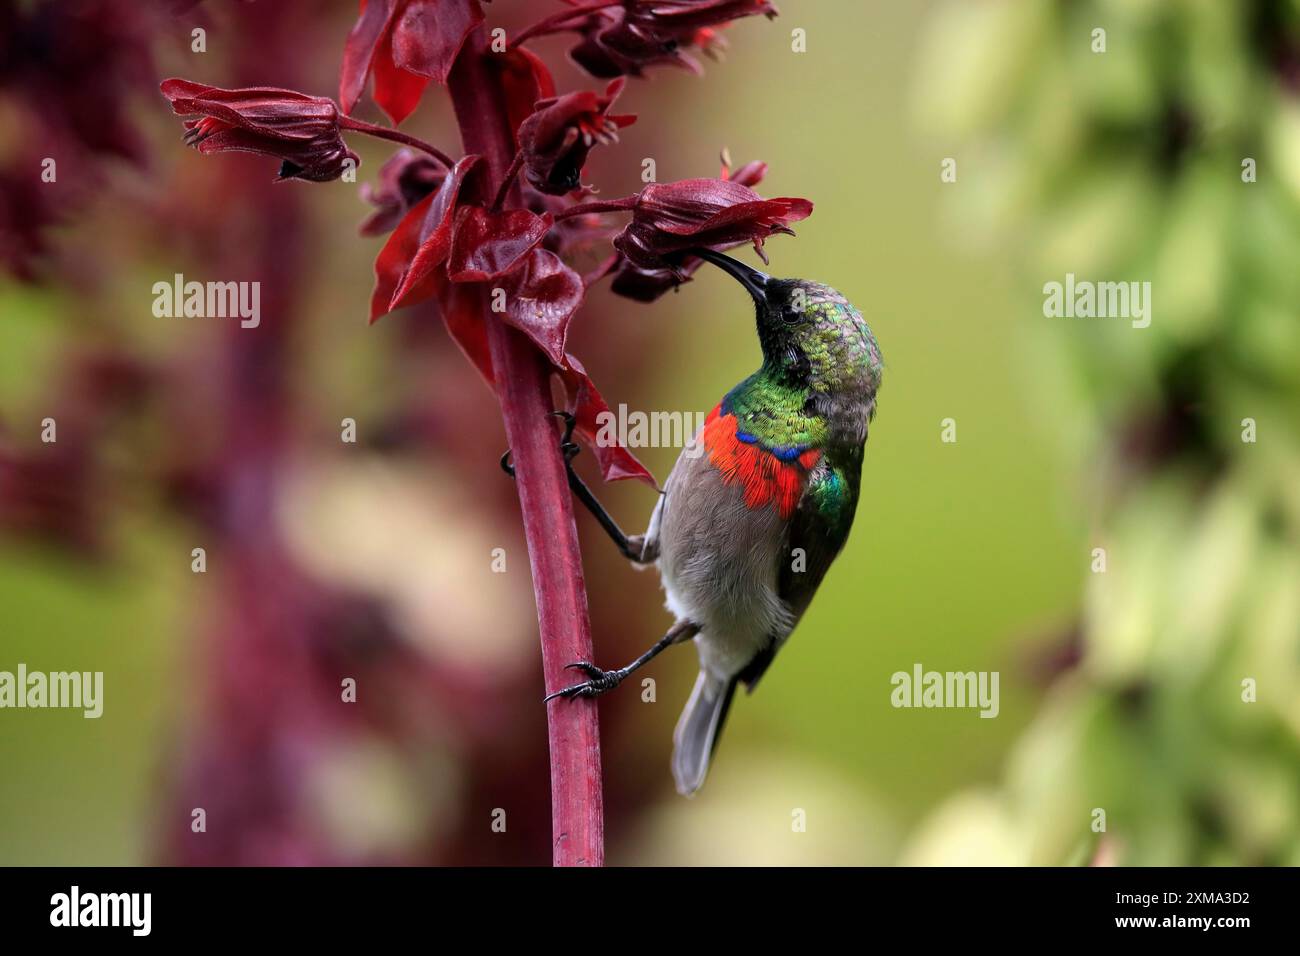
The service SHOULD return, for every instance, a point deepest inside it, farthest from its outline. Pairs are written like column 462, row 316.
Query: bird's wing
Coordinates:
column 817, row 532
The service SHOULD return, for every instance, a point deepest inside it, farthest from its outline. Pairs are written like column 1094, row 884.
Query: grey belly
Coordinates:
column 719, row 563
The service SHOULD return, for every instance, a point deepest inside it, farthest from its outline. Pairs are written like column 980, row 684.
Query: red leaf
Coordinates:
column 397, row 91
column 429, row 33
column 359, row 51
column 525, row 79
column 589, row 409
column 461, row 307
column 405, row 267
column 403, row 44
column 487, row 244
column 541, row 298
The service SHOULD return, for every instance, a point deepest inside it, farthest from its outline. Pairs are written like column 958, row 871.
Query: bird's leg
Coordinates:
column 601, row 681
column 633, row 547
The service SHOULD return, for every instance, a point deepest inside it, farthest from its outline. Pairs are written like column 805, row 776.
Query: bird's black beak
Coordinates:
column 753, row 280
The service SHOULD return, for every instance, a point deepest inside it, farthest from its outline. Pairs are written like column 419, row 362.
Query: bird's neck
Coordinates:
column 774, row 410
column 780, row 410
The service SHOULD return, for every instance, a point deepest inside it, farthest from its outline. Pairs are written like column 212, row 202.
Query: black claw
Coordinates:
column 600, row 682
column 569, row 424
column 568, row 447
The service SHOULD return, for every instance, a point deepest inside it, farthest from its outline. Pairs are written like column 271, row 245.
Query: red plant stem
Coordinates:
column 600, row 205
column 508, row 180
column 556, row 23
column 383, row 132
column 522, row 377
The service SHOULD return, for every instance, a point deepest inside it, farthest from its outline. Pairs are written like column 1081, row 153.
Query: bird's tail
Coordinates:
column 698, row 728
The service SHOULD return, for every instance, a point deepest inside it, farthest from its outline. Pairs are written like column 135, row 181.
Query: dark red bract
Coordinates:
column 403, row 44
column 301, row 131
column 411, row 261
column 525, row 79
column 541, row 298
column 486, row 244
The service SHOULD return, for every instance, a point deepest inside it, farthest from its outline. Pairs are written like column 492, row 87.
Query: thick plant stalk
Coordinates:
column 523, row 388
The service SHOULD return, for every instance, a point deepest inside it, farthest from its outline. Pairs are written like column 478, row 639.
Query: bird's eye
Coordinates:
column 791, row 315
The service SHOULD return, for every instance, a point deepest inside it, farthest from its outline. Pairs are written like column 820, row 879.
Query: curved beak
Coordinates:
column 753, row 280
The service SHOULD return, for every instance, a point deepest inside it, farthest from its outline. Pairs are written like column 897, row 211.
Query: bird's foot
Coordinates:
column 568, row 447
column 598, row 682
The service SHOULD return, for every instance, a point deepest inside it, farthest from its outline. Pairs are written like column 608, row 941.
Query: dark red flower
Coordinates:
column 610, row 48
column 557, row 137
column 301, row 131
column 710, row 213
column 647, row 284
column 403, row 44
column 403, row 181
column 623, row 41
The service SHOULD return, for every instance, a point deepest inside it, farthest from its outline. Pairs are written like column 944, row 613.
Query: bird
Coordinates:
column 758, row 505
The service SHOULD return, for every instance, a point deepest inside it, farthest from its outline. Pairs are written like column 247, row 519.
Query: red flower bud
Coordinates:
column 301, row 131
column 557, row 137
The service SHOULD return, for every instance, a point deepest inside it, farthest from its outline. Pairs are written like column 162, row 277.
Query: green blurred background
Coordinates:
column 1119, row 691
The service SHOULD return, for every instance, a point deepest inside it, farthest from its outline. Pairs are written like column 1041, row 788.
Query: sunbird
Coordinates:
column 747, row 526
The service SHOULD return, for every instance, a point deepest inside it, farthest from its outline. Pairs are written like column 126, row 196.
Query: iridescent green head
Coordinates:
column 812, row 337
